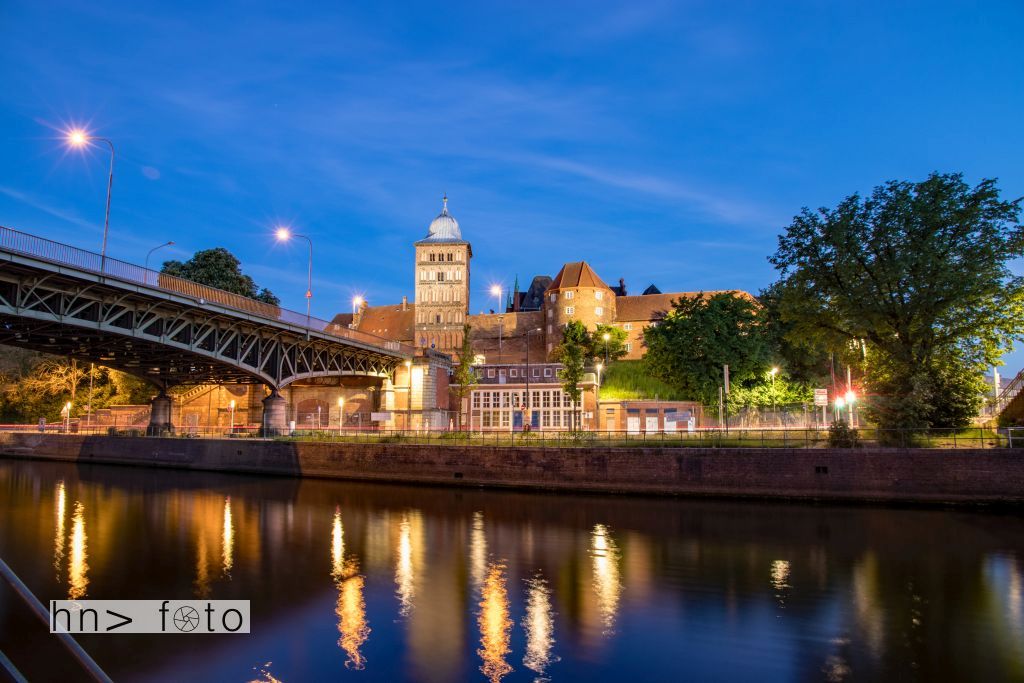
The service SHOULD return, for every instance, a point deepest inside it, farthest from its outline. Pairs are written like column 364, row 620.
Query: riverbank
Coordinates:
column 981, row 476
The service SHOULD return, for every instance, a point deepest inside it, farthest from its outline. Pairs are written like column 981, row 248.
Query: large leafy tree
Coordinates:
column 700, row 335
column 219, row 268
column 574, row 355
column 917, row 275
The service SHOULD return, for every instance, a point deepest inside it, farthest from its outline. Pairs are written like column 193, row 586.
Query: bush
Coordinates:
column 841, row 435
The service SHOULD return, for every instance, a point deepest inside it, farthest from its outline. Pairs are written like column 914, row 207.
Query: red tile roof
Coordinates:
column 390, row 322
column 577, row 274
column 649, row 307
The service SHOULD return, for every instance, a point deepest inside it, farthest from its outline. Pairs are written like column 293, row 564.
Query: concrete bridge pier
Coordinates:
column 275, row 414
column 160, row 415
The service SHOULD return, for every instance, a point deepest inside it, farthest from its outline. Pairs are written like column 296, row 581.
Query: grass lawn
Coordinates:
column 626, row 380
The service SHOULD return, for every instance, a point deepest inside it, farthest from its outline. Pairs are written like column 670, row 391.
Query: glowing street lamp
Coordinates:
column 496, row 293
column 283, row 234
column 357, row 301
column 232, row 404
column 80, row 139
column 607, row 337
column 775, row 408
column 341, row 413
column 851, row 398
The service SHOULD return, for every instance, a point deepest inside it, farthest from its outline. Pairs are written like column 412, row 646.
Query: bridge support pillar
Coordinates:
column 160, row 415
column 275, row 414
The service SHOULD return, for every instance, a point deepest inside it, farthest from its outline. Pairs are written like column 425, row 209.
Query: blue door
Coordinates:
column 517, row 421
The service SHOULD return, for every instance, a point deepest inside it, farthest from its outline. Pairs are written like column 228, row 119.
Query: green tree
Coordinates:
column 464, row 377
column 917, row 273
column 608, row 350
column 573, row 353
column 700, row 335
column 219, row 268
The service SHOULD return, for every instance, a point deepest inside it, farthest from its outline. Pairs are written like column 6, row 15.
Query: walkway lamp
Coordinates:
column 775, row 409
column 341, row 413
column 232, row 404
column 528, row 418
column 357, row 301
column 284, row 234
column 408, row 396
column 80, row 139
column 851, row 398
column 607, row 337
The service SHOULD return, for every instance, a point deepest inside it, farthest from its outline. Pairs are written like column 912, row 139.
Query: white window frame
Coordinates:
column 627, row 326
column 629, row 347
column 570, row 294
column 598, row 294
column 598, row 310
column 547, row 372
column 570, row 310
column 490, row 373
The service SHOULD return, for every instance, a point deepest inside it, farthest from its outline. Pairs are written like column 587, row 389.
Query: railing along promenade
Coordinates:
column 971, row 438
column 65, row 255
column 1010, row 392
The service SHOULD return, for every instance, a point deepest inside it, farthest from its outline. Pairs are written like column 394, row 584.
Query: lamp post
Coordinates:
column 851, row 398
column 341, row 414
column 597, row 399
column 79, row 138
column 283, row 235
column 408, row 396
column 607, row 337
column 150, row 253
column 496, row 293
column 775, row 409
column 232, row 404
column 840, row 402
column 357, row 301
column 528, row 418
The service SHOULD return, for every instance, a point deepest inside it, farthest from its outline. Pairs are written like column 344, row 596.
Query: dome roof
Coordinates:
column 444, row 228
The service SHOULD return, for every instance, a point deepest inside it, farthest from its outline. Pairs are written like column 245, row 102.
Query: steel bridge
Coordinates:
column 1010, row 402
column 59, row 299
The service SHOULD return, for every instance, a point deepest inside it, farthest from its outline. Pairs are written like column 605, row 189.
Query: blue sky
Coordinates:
column 664, row 142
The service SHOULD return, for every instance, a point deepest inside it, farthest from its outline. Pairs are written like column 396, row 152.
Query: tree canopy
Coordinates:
column 219, row 268
column 916, row 275
column 573, row 353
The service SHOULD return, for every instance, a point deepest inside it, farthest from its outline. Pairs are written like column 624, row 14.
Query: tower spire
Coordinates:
column 444, row 209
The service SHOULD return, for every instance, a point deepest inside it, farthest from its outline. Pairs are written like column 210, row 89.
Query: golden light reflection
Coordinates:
column 78, row 571
column 351, row 607
column 351, row 610
column 868, row 604
column 539, row 626
column 780, row 574
column 58, row 537
column 337, row 546
column 607, row 582
column 477, row 551
column 404, row 576
column 202, row 583
column 228, row 540
column 495, row 625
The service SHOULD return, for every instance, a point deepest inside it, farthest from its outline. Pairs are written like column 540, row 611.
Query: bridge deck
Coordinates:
column 112, row 270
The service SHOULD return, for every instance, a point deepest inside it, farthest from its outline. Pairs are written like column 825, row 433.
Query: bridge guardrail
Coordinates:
column 67, row 255
column 1010, row 392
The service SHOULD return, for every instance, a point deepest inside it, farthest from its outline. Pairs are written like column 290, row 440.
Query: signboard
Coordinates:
column 821, row 397
column 380, row 417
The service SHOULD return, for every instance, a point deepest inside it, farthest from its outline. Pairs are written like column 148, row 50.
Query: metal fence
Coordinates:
column 63, row 254
column 972, row 438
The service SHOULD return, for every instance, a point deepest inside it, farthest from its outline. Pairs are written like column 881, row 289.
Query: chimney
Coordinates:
column 405, row 303
column 622, row 286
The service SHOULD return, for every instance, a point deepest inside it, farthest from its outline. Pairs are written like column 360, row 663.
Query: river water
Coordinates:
column 368, row 582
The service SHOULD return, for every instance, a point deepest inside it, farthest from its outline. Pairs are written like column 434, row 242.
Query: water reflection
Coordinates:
column 58, row 537
column 604, row 554
column 78, row 578
column 228, row 539
column 539, row 626
column 477, row 552
column 495, row 625
column 412, row 594
column 353, row 625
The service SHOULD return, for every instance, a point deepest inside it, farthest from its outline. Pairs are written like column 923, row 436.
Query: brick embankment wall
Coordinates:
column 913, row 475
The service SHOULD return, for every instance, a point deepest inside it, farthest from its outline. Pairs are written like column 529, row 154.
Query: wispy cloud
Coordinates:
column 48, row 208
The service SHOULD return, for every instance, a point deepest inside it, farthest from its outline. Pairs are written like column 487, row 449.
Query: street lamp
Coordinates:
column 79, row 139
column 775, row 408
column 341, row 413
column 284, row 234
column 232, row 404
column 357, row 301
column 150, row 253
column 607, row 337
column 851, row 398
column 840, row 403
column 496, row 293
column 408, row 396
column 528, row 418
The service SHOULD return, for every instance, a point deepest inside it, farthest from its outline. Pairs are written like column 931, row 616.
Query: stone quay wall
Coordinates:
column 912, row 475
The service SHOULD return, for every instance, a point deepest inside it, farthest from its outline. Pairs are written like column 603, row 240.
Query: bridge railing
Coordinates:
column 1010, row 392
column 67, row 255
